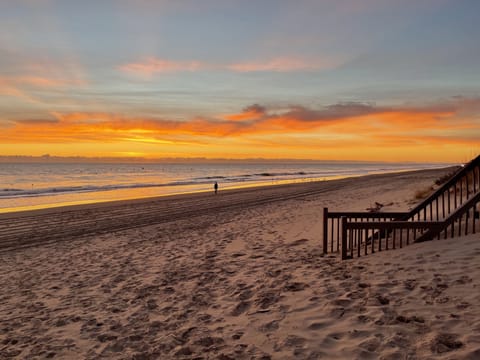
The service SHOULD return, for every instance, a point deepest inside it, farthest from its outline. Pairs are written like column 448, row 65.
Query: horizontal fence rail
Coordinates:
column 378, row 236
column 453, row 209
column 332, row 224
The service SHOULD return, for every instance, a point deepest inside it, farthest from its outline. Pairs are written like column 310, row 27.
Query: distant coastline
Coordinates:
column 172, row 160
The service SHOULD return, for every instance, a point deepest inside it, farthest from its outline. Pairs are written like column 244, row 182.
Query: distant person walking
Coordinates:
column 215, row 187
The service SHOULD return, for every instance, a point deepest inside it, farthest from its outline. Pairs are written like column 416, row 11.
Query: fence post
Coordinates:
column 344, row 238
column 325, row 230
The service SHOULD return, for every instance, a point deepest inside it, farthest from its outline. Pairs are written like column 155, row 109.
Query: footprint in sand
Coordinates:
column 318, row 325
column 369, row 348
column 463, row 305
column 237, row 335
column 208, row 341
column 410, row 284
column 245, row 294
column 240, row 308
column 336, row 335
column 464, row 279
column 342, row 302
column 270, row 326
column 266, row 299
column 409, row 319
column 274, row 272
column 443, row 343
column 383, row 300
column 295, row 286
column 290, row 342
column 364, row 319
column 298, row 242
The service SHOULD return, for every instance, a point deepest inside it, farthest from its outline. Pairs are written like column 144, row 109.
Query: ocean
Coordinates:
column 25, row 186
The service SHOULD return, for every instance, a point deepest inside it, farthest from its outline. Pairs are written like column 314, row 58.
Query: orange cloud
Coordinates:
column 294, row 129
column 152, row 65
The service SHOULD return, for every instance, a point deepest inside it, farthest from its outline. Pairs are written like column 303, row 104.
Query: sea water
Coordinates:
column 41, row 185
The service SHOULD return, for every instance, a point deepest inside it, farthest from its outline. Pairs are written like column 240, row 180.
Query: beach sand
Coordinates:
column 238, row 275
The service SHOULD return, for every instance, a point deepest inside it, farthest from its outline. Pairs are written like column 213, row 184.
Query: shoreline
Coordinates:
column 52, row 225
column 53, row 208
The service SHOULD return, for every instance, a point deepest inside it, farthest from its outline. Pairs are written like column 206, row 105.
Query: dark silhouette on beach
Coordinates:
column 215, row 187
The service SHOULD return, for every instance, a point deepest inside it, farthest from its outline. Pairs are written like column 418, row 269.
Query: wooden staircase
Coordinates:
column 452, row 210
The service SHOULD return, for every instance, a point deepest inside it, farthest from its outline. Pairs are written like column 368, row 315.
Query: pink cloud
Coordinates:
column 281, row 64
column 39, row 81
column 152, row 65
column 19, row 83
column 21, row 86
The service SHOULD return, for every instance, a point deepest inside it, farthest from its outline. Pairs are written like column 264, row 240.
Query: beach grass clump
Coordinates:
column 423, row 193
column 444, row 178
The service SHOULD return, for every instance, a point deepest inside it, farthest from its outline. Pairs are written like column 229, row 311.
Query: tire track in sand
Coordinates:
column 20, row 230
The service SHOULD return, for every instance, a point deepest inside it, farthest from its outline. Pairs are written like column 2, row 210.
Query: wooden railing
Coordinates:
column 455, row 199
column 332, row 224
column 464, row 220
column 449, row 196
column 365, row 238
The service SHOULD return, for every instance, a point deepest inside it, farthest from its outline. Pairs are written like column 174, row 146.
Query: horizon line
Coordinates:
column 86, row 159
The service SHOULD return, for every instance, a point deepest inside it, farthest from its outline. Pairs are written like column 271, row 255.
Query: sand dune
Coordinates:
column 236, row 276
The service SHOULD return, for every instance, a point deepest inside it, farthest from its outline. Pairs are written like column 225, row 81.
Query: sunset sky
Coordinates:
column 305, row 79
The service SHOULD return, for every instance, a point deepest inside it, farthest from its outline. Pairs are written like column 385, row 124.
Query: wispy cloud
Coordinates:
column 36, row 81
column 152, row 65
column 25, row 75
column 281, row 64
column 20, row 86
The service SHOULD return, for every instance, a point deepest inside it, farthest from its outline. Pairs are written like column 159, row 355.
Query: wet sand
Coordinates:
column 238, row 275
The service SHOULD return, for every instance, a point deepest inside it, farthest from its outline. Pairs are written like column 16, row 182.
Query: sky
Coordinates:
column 381, row 80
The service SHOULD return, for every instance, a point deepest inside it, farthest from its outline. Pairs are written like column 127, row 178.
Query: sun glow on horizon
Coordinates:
column 443, row 132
